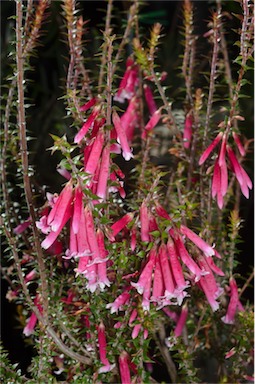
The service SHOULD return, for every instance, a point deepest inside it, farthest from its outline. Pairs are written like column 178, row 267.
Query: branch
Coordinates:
column 24, row 154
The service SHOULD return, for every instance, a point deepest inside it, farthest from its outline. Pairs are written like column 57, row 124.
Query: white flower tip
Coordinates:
column 127, row 155
column 226, row 320
column 27, row 332
column 106, row 368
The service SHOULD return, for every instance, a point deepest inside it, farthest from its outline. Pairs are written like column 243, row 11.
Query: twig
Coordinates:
column 44, row 320
column 246, row 284
column 131, row 16
column 104, row 51
column 24, row 154
column 171, row 368
column 216, row 25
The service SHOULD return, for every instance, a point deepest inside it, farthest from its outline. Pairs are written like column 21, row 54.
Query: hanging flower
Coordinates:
column 187, row 132
column 31, row 323
column 124, row 368
column 107, row 367
column 234, row 303
column 121, row 137
column 181, row 321
column 149, row 99
column 128, row 83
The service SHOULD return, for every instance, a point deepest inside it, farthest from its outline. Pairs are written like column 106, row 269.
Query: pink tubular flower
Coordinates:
column 118, row 303
column 88, row 105
column 63, row 203
column 144, row 218
column 158, row 287
column 22, row 227
column 166, row 272
column 92, row 270
column 103, row 173
column 181, row 321
column 147, row 272
column 200, row 243
column 181, row 284
column 234, row 303
column 211, row 147
column 102, row 349
column 88, row 124
column 121, row 136
column 216, row 184
column 149, row 99
column 162, row 212
column 151, row 123
column 95, row 153
column 121, row 223
column 240, row 147
column 208, row 284
column 128, row 82
column 124, row 368
column 242, row 177
column 102, row 276
column 187, row 133
column 30, row 276
column 77, row 211
column 129, row 119
column 63, row 172
column 52, row 236
column 30, row 326
column 186, row 259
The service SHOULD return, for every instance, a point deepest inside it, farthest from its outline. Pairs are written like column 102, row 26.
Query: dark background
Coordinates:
column 48, row 110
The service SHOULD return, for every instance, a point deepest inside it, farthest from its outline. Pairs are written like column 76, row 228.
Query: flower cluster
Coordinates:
column 168, row 269
column 220, row 174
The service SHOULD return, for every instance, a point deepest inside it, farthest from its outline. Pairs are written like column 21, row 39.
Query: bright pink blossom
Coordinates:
column 121, row 136
column 129, row 119
column 22, row 227
column 95, row 153
column 31, row 323
column 234, row 303
column 169, row 283
column 208, row 284
column 87, row 125
column 62, row 205
column 121, row 223
column 200, row 243
column 146, row 272
column 102, row 349
column 88, row 105
column 118, row 303
column 240, row 147
column 103, row 173
column 187, row 132
column 124, row 368
column 30, row 276
column 102, row 275
column 211, row 147
column 186, row 258
column 77, row 211
column 242, row 177
column 53, row 235
column 181, row 321
column 158, row 286
column 144, row 219
column 181, row 284
column 151, row 123
column 216, row 184
column 128, row 83
column 149, row 99
column 63, row 172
